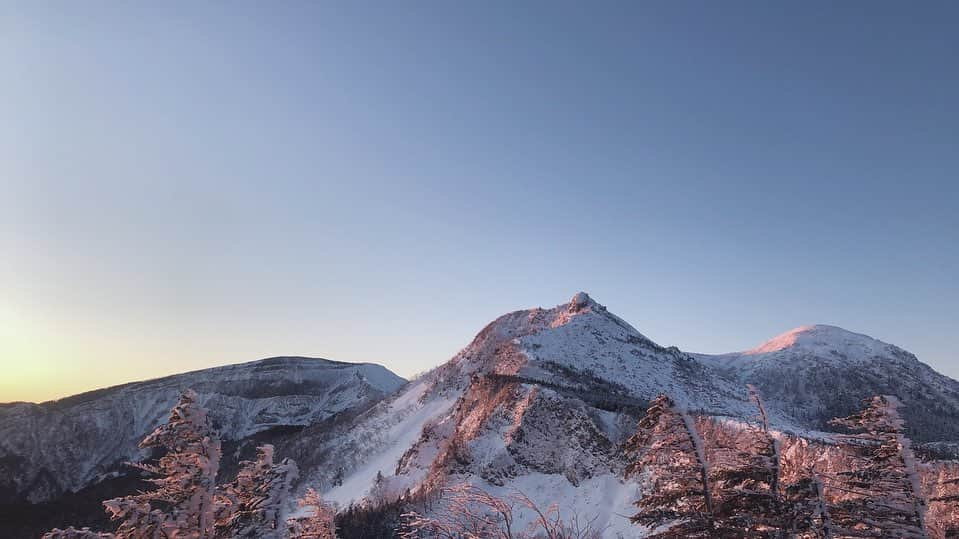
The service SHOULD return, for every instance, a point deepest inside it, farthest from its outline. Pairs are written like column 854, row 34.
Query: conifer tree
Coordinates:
column 880, row 495
column 806, row 511
column 668, row 450
column 182, row 505
column 318, row 523
column 744, row 476
column 253, row 505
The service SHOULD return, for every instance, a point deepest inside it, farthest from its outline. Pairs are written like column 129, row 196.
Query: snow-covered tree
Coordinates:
column 880, row 494
column 380, row 491
column 463, row 511
column 139, row 520
column 744, row 472
column 182, row 505
column 466, row 511
column 806, row 512
column 802, row 465
column 765, row 445
column 669, row 452
column 253, row 505
column 942, row 519
column 318, row 523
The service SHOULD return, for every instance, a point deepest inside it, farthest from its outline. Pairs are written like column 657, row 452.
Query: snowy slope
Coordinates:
column 815, row 373
column 581, row 342
column 63, row 445
column 826, row 344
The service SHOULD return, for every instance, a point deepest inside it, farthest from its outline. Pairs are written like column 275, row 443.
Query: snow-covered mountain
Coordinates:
column 63, row 445
column 816, row 373
column 540, row 401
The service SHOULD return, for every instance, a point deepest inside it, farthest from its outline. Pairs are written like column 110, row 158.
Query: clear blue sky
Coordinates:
column 186, row 184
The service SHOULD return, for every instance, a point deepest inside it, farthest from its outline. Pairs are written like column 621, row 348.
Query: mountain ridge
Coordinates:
column 814, row 338
column 63, row 445
column 162, row 378
column 541, row 400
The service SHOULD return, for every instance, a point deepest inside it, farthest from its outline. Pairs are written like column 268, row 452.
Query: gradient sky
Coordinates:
column 189, row 184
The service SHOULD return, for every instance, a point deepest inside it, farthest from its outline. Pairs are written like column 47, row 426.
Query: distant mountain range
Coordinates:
column 541, row 400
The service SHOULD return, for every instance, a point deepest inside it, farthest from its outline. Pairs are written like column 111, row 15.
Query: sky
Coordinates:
column 190, row 184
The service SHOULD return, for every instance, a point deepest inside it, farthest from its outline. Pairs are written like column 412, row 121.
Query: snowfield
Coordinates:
column 411, row 415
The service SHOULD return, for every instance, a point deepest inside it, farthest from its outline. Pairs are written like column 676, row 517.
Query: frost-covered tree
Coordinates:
column 806, row 511
column 138, row 519
column 318, row 523
column 802, row 465
column 744, row 472
column 879, row 495
column 942, row 519
column 182, row 505
column 253, row 505
column 765, row 446
column 669, row 452
column 466, row 511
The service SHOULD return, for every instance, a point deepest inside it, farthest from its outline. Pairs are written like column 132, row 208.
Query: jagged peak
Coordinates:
column 580, row 301
column 526, row 321
column 497, row 347
column 578, row 305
